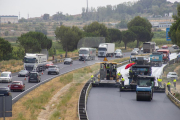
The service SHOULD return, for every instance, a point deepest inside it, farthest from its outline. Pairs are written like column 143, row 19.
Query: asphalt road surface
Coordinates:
column 110, row 104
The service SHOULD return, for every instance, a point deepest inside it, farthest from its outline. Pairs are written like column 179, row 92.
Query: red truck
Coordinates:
column 166, row 53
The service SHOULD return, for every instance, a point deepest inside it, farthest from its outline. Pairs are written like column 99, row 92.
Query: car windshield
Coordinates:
column 49, row 63
column 3, row 89
column 33, row 75
column 16, row 83
column 102, row 49
column 83, row 52
column 118, row 50
column 67, row 58
column 4, row 74
column 52, row 66
column 23, row 71
column 29, row 60
column 136, row 48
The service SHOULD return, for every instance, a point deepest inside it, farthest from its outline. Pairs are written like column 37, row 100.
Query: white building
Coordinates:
column 6, row 19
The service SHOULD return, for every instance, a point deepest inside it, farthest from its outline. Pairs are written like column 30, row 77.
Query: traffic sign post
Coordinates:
column 5, row 106
column 167, row 36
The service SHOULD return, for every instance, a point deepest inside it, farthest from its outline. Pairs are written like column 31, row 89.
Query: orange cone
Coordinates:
column 25, row 78
column 42, row 73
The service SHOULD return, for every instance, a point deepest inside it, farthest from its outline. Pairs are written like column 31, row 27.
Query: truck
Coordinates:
column 156, row 59
column 149, row 47
column 166, row 54
column 139, row 60
column 87, row 53
column 106, row 50
column 35, row 62
column 144, row 88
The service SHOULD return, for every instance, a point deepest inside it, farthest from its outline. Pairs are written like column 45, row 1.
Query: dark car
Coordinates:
column 17, row 85
column 5, row 91
column 68, row 61
column 34, row 77
column 23, row 73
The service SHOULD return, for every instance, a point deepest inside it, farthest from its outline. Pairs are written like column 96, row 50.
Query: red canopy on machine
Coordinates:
column 129, row 65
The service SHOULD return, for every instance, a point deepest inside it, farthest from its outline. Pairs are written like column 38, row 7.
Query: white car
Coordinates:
column 157, row 47
column 136, row 49
column 117, row 51
column 172, row 75
column 53, row 69
column 119, row 54
column 134, row 52
column 6, row 77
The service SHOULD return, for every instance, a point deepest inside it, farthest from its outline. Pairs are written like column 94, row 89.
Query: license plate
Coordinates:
column 15, row 86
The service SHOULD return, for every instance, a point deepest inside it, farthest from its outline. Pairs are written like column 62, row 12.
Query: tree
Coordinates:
column 122, row 24
column 128, row 36
column 46, row 16
column 34, row 42
column 174, row 32
column 5, row 49
column 114, row 35
column 142, row 28
column 68, row 37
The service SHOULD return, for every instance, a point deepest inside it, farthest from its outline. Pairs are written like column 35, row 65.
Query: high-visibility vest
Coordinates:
column 159, row 80
column 130, row 71
column 168, row 83
column 92, row 76
column 119, row 74
column 174, row 80
column 123, row 79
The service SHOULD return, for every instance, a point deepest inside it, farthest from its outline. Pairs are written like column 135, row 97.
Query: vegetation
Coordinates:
column 128, row 36
column 174, row 32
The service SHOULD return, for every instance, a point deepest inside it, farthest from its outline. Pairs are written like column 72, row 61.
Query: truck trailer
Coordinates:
column 106, row 49
column 149, row 47
column 35, row 62
column 87, row 53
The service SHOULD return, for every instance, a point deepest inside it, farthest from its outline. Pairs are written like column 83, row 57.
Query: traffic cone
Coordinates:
column 25, row 78
column 70, row 64
column 42, row 73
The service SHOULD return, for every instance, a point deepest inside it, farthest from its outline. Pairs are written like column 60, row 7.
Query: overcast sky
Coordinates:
column 36, row 8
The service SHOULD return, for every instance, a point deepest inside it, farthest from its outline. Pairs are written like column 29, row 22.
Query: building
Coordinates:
column 161, row 24
column 6, row 19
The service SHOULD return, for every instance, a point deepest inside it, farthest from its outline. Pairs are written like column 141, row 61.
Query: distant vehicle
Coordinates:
column 6, row 77
column 35, row 62
column 53, row 69
column 136, row 49
column 149, row 47
column 117, row 51
column 172, row 75
column 119, row 54
column 156, row 59
column 134, row 52
column 48, row 64
column 175, row 46
column 166, row 53
column 164, row 47
column 5, row 91
column 157, row 48
column 106, row 49
column 142, row 49
column 87, row 53
column 23, row 73
column 68, row 61
column 34, row 77
column 17, row 85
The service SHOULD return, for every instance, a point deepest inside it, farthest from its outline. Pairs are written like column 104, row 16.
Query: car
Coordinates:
column 117, row 51
column 164, row 47
column 48, row 64
column 157, row 47
column 119, row 54
column 136, row 49
column 6, row 77
column 134, row 52
column 5, row 91
column 68, row 61
column 34, row 77
column 23, row 73
column 175, row 46
column 172, row 75
column 17, row 85
column 53, row 69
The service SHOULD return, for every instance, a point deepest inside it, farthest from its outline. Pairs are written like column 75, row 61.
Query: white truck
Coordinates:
column 35, row 62
column 87, row 53
column 106, row 49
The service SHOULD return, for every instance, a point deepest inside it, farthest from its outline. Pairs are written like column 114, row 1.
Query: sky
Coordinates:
column 36, row 8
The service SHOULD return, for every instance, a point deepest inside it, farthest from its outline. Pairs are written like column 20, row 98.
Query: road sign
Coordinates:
column 167, row 36
column 6, row 106
column 105, row 59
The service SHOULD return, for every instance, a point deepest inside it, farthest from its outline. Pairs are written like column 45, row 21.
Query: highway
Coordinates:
column 44, row 78
column 110, row 104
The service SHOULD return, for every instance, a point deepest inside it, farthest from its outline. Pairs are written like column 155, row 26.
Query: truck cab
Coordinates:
column 87, row 54
column 106, row 49
column 156, row 59
column 166, row 53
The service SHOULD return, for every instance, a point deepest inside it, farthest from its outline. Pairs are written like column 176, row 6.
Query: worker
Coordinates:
column 130, row 72
column 169, row 86
column 122, row 81
column 108, row 75
column 174, row 82
column 119, row 75
column 92, row 78
column 159, row 82
column 107, row 66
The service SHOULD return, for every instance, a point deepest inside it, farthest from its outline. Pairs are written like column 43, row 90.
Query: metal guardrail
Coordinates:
column 174, row 98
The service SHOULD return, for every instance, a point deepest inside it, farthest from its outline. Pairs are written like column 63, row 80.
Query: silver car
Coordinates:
column 119, row 54
column 172, row 75
column 134, row 52
column 53, row 69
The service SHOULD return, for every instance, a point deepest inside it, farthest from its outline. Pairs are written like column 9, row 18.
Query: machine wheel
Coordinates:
column 137, row 98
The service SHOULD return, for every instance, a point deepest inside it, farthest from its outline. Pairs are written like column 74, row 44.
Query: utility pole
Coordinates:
column 87, row 11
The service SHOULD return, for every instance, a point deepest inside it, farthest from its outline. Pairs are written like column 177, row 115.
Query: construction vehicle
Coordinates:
column 144, row 88
column 87, row 53
column 106, row 49
column 166, row 53
column 149, row 47
column 140, row 60
column 107, row 75
column 35, row 62
column 156, row 59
